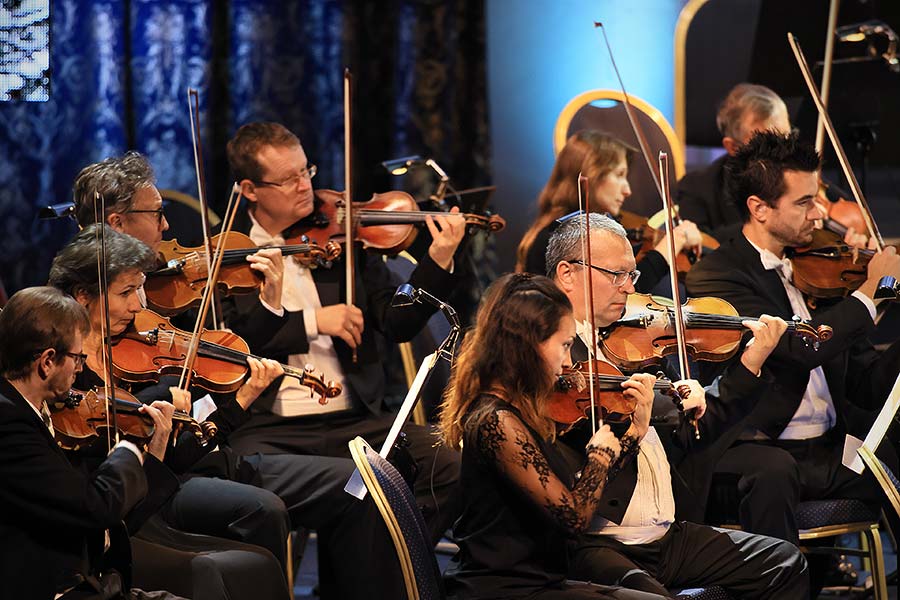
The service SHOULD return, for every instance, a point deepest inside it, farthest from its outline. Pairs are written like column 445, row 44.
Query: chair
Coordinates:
column 604, row 110
column 183, row 215
column 405, row 524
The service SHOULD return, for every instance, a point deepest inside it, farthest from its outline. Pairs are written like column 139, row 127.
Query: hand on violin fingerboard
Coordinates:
column 766, row 333
column 447, row 231
column 262, row 374
column 161, row 412
column 270, row 263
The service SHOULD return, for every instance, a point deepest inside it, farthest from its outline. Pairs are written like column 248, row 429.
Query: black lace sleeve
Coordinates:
column 504, row 441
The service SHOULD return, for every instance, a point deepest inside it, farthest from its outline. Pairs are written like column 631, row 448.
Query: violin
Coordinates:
column 386, row 223
column 645, row 238
column 152, row 347
column 840, row 214
column 179, row 284
column 828, row 267
column 713, row 330
column 80, row 419
column 571, row 401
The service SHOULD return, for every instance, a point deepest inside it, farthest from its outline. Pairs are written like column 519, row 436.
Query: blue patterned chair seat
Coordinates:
column 710, row 593
column 821, row 513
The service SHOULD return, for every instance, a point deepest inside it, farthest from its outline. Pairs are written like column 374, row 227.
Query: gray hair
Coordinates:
column 565, row 243
column 759, row 100
column 116, row 179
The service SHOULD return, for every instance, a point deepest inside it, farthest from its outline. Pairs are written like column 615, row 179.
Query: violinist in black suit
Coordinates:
column 634, row 539
column 310, row 322
column 53, row 518
column 792, row 442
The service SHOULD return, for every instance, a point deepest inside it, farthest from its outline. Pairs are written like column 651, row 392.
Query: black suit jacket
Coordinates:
column 52, row 516
column 702, row 198
column 277, row 337
column 858, row 377
column 691, row 461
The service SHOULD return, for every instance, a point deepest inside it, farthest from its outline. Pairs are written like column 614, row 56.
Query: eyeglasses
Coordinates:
column 156, row 211
column 79, row 357
column 618, row 277
column 293, row 181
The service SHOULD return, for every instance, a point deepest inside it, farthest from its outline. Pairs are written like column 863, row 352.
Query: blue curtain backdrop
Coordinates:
column 120, row 71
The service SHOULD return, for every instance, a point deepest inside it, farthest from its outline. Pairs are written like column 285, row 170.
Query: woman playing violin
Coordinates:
column 604, row 160
column 226, row 494
column 520, row 503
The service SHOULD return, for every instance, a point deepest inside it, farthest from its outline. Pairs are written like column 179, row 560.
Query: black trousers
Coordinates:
column 774, row 476
column 691, row 555
column 328, row 435
column 356, row 555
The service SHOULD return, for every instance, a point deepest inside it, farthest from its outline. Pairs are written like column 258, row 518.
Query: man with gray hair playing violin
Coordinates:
column 635, row 539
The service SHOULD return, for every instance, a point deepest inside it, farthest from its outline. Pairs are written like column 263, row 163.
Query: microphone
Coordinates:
column 57, row 211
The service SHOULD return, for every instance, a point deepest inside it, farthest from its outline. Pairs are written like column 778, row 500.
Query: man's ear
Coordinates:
column 731, row 145
column 45, row 362
column 248, row 190
column 759, row 208
column 115, row 221
column 564, row 275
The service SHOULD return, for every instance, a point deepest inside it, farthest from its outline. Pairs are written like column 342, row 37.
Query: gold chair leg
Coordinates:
column 879, row 582
column 289, row 567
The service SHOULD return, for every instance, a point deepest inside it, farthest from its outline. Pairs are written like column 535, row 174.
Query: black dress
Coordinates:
column 519, row 511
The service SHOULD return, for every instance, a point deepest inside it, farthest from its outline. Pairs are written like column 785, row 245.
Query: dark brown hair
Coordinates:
column 35, row 319
column 519, row 311
column 757, row 169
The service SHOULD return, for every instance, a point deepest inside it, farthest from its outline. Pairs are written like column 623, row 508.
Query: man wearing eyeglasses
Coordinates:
column 314, row 324
column 634, row 539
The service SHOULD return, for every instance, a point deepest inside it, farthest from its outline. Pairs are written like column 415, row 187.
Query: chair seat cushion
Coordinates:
column 821, row 513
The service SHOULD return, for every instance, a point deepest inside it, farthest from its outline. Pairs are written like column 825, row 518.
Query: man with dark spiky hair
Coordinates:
column 792, row 444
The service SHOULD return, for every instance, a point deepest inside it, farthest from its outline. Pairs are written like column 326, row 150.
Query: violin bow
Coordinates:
column 112, row 431
column 213, row 275
column 836, row 143
column 348, row 196
column 584, row 202
column 194, row 116
column 636, row 126
column 677, row 312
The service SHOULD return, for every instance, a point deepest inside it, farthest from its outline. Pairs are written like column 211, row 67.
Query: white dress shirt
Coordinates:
column 816, row 414
column 299, row 293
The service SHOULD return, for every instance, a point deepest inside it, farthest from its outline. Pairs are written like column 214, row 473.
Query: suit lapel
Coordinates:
column 769, row 283
column 6, row 389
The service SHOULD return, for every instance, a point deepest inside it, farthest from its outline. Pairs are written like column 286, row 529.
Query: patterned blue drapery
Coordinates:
column 120, row 71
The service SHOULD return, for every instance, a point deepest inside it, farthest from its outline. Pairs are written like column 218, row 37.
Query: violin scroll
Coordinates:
column 317, row 384
column 811, row 336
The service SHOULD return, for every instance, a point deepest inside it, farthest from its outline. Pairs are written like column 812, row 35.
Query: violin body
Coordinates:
column 80, row 420
column 135, row 359
column 387, row 223
column 571, row 402
column 180, row 284
column 645, row 238
column 646, row 333
column 828, row 268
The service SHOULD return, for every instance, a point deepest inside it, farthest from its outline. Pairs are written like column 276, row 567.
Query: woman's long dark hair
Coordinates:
column 519, row 311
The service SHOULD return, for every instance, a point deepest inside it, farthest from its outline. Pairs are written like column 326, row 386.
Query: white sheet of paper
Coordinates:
column 879, row 427
column 202, row 408
column 851, row 460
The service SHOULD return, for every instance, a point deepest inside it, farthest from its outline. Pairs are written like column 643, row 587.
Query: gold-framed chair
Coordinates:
column 404, row 521
column 605, row 111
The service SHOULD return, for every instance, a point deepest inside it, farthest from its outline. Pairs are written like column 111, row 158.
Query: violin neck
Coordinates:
column 239, row 255
column 237, row 357
column 393, row 217
column 834, row 227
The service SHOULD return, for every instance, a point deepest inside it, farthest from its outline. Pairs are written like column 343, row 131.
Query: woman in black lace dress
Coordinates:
column 520, row 503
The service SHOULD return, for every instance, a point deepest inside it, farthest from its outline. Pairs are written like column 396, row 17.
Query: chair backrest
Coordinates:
column 183, row 215
column 398, row 508
column 604, row 110
column 887, row 480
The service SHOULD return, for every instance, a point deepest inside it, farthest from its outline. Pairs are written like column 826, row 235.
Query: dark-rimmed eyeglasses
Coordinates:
column 293, row 181
column 79, row 357
column 156, row 211
column 618, row 277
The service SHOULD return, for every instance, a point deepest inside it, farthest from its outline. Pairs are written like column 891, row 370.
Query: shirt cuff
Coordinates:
column 277, row 312
column 309, row 322
column 870, row 306
column 132, row 448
